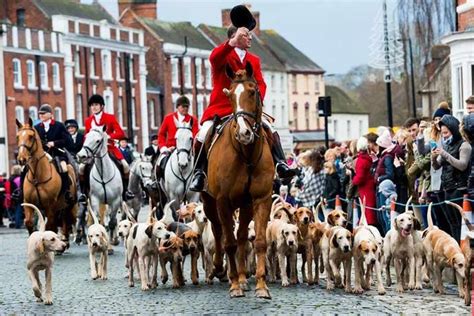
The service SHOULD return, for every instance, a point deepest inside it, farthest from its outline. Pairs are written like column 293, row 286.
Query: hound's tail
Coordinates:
column 407, row 206
column 363, row 219
column 168, row 213
column 463, row 215
column 41, row 222
column 126, row 210
column 430, row 219
column 316, row 211
column 94, row 217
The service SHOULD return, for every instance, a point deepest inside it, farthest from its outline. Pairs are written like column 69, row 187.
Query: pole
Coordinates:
column 128, row 96
column 4, row 158
column 387, row 75
column 413, row 100
column 389, row 103
column 326, row 127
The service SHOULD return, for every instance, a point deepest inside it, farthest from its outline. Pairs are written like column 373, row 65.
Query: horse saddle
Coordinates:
column 216, row 131
column 160, row 172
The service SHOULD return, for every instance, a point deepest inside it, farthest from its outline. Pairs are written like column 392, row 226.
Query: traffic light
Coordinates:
column 324, row 106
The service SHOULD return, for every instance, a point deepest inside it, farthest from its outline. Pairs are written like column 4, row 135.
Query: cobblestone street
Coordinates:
column 75, row 292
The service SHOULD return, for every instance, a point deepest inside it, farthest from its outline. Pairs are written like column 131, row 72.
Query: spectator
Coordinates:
column 364, row 180
column 467, row 131
column 454, row 158
column 313, row 181
column 386, row 193
column 332, row 187
column 470, row 104
column 285, row 196
column 15, row 208
column 125, row 150
column 153, row 150
column 400, row 160
column 3, row 198
column 77, row 137
column 373, row 150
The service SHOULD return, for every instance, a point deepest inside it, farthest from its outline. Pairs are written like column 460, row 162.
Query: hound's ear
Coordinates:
column 334, row 241
column 416, row 223
column 360, row 247
column 249, row 70
column 283, row 233
column 311, row 217
column 451, row 261
column 104, row 238
column 134, row 233
column 30, row 121
column 229, row 72
column 395, row 223
column 40, row 245
column 18, row 124
column 149, row 231
column 331, row 220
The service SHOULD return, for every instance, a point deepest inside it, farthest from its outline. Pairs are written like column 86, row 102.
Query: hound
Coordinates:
column 171, row 250
column 98, row 243
column 249, row 248
column 302, row 218
column 316, row 232
column 41, row 246
column 367, row 251
column 443, row 251
column 282, row 241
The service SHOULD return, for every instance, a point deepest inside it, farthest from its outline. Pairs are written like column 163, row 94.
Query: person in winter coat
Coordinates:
column 386, row 193
column 313, row 181
column 364, row 180
column 454, row 159
column 332, row 187
column 467, row 132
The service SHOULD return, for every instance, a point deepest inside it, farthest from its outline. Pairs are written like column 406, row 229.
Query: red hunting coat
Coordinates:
column 223, row 54
column 167, row 132
column 114, row 131
column 364, row 180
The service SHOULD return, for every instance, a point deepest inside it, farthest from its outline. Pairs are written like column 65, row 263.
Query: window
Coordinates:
column 20, row 113
column 92, row 63
column 361, row 128
column 459, row 91
column 17, row 73
column 274, row 112
column 187, row 72
column 282, row 83
column 295, row 115
column 109, row 101
column 335, row 129
column 272, row 82
column 131, row 64
column 134, row 119
column 199, row 77
column 293, row 83
column 316, row 84
column 58, row 114
column 20, row 17
column 283, row 114
column 200, row 107
column 33, row 113
column 306, row 114
column 208, row 75
column 77, row 62
column 79, row 109
column 151, row 113
column 118, row 67
column 174, row 73
column 30, row 71
column 43, row 67
column 56, row 77
column 349, row 127
column 106, row 68
column 120, row 111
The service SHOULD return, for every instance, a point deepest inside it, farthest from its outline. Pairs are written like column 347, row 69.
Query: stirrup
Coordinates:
column 128, row 195
column 199, row 182
column 82, row 199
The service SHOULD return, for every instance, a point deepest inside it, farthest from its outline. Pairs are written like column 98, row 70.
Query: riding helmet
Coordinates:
column 96, row 98
column 71, row 123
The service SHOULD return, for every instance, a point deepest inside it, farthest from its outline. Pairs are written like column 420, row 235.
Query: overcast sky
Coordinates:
column 333, row 33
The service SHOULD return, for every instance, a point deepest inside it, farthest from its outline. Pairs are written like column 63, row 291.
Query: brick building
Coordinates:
column 82, row 50
column 175, row 65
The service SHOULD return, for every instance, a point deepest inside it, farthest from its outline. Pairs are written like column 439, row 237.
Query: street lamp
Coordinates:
column 413, row 101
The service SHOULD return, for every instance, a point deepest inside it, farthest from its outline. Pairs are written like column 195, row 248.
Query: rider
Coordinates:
column 114, row 131
column 55, row 140
column 167, row 132
column 234, row 53
column 77, row 136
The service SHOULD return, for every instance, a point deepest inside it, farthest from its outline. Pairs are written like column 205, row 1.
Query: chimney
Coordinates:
column 142, row 8
column 225, row 13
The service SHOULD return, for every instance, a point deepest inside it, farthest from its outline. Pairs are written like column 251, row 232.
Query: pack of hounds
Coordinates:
column 328, row 247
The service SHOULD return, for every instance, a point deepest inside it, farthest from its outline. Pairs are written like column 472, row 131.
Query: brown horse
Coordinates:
column 42, row 184
column 240, row 175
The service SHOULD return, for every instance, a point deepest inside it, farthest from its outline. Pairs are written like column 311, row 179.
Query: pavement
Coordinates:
column 74, row 292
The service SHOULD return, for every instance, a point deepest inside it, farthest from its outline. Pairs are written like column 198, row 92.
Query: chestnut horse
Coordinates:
column 240, row 175
column 42, row 184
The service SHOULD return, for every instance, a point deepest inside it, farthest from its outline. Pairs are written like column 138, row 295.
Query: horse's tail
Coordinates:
column 94, row 217
column 42, row 223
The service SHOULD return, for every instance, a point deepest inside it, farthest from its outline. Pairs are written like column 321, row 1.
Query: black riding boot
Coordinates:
column 127, row 194
column 65, row 187
column 83, row 184
column 199, row 178
column 284, row 172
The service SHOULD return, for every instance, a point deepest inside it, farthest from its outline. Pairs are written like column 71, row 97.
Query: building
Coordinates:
column 177, row 59
column 461, row 44
column 348, row 120
column 81, row 50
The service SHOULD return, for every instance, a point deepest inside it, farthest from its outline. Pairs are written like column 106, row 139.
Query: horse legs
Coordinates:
column 112, row 227
column 242, row 235
column 230, row 244
column 261, row 215
column 29, row 219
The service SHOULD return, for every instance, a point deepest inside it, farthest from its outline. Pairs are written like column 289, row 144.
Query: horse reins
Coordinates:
column 180, row 177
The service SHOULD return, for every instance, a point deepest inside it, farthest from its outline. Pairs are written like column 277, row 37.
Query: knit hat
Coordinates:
column 385, row 140
column 362, row 143
column 96, row 98
column 443, row 108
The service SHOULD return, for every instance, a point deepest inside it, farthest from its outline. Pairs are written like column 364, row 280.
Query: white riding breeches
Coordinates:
column 206, row 126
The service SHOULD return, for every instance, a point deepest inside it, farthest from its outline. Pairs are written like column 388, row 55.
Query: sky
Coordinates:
column 333, row 33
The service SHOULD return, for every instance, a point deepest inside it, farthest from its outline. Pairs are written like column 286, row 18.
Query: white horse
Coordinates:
column 179, row 168
column 140, row 177
column 105, row 179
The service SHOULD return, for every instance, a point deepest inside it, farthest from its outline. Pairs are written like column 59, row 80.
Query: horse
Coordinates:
column 105, row 179
column 240, row 175
column 42, row 184
column 140, row 178
column 179, row 168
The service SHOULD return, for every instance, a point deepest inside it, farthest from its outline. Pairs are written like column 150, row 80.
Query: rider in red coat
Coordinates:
column 234, row 53
column 114, row 131
column 167, row 132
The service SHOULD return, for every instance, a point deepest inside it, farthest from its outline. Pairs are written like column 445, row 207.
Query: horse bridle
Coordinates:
column 253, row 115
column 29, row 148
column 184, row 150
column 93, row 153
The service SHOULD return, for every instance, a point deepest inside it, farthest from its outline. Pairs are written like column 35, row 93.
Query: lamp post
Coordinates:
column 413, row 100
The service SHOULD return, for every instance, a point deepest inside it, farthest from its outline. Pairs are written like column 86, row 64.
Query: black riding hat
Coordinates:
column 71, row 123
column 241, row 16
column 96, row 98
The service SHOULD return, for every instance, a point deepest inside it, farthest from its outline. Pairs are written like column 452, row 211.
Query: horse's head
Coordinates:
column 95, row 144
column 184, row 143
column 247, row 106
column 143, row 169
column 28, row 141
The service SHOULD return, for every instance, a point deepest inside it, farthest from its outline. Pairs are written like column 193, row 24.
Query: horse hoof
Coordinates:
column 236, row 293
column 115, row 242
column 110, row 252
column 263, row 293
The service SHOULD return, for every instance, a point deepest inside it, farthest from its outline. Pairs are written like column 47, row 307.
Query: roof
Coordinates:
column 309, row 136
column 289, row 55
column 342, row 103
column 268, row 61
column 92, row 11
column 174, row 32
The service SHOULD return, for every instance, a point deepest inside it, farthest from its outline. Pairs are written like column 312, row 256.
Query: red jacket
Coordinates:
column 223, row 54
column 364, row 181
column 114, row 131
column 167, row 132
